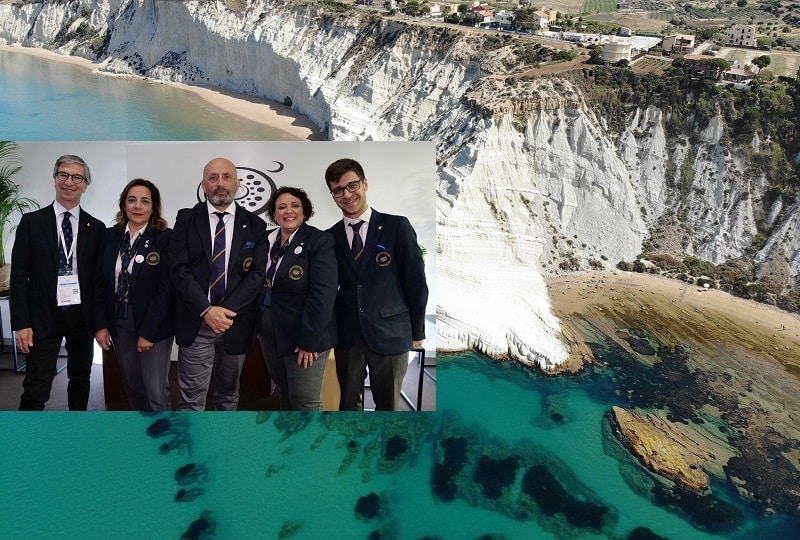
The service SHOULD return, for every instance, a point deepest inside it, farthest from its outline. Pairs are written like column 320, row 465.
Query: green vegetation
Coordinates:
column 599, row 6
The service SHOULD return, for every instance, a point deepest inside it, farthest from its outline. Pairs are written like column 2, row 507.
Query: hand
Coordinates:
column 143, row 345
column 305, row 358
column 416, row 344
column 103, row 338
column 219, row 319
column 24, row 340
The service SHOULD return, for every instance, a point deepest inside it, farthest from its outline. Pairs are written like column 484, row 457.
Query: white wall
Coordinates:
column 401, row 177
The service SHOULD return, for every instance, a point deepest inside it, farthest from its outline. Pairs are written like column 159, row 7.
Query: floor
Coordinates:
column 11, row 388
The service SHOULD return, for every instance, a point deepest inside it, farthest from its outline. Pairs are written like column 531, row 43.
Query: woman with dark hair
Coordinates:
column 138, row 299
column 295, row 329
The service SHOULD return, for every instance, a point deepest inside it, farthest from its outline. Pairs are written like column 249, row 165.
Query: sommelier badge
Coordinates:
column 153, row 258
column 383, row 258
column 296, row 272
column 247, row 263
column 139, row 259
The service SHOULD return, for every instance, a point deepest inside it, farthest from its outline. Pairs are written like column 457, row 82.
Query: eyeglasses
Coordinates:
column 351, row 187
column 76, row 178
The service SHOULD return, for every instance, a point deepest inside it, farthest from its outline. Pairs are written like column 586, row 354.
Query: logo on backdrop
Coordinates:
column 255, row 188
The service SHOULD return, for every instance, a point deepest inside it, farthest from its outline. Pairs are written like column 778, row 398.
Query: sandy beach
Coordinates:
column 676, row 311
column 270, row 113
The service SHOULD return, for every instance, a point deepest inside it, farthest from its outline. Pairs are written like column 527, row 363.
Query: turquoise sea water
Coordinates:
column 100, row 475
column 49, row 100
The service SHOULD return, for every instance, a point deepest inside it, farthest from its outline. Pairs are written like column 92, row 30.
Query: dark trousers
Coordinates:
column 145, row 375
column 385, row 376
column 41, row 362
column 299, row 388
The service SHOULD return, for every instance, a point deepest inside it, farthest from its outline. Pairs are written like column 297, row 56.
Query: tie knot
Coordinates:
column 67, row 215
column 220, row 215
column 127, row 237
column 357, row 225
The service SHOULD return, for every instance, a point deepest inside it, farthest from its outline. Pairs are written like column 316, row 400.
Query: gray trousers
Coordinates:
column 386, row 375
column 145, row 375
column 299, row 388
column 195, row 364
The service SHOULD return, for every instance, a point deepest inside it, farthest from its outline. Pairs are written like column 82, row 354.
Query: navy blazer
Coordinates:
column 150, row 290
column 303, row 293
column 190, row 269
column 382, row 296
column 34, row 272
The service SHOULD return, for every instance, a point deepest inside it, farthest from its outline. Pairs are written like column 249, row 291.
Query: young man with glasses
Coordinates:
column 56, row 287
column 380, row 306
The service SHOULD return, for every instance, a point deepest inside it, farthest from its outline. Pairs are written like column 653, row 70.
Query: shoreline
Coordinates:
column 262, row 111
column 682, row 309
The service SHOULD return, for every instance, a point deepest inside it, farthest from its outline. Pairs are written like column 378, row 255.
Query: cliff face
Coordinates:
column 529, row 179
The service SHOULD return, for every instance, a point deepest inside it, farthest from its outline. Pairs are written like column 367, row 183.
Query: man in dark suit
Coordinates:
column 55, row 287
column 380, row 306
column 218, row 255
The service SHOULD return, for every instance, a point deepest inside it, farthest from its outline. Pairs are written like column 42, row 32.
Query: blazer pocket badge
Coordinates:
column 153, row 258
column 248, row 262
column 383, row 258
column 296, row 272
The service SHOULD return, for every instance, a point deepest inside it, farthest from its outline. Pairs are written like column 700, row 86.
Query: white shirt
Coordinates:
column 134, row 237
column 362, row 232
column 228, row 220
column 273, row 237
column 74, row 214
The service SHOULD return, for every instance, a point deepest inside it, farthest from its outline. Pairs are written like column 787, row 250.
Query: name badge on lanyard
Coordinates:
column 68, row 290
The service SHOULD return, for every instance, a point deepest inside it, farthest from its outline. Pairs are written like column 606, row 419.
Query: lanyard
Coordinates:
column 67, row 254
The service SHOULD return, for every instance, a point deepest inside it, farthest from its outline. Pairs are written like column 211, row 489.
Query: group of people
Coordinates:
column 214, row 284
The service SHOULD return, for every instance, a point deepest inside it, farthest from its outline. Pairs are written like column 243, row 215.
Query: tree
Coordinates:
column 761, row 61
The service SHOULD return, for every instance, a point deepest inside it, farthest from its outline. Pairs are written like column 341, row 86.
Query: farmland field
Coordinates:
column 599, row 6
column 781, row 62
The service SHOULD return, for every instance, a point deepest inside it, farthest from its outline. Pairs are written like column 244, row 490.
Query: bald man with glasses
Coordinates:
column 55, row 288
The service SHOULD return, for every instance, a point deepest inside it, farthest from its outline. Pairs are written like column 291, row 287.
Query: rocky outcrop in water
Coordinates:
column 660, row 448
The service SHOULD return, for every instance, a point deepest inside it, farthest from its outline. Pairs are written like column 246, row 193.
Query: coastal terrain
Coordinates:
column 270, row 113
column 710, row 381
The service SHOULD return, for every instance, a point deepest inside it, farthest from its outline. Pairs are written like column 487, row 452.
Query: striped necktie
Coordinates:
column 358, row 245
column 217, row 290
column 66, row 228
column 126, row 253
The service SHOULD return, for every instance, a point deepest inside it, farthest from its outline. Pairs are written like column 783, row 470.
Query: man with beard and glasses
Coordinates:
column 218, row 255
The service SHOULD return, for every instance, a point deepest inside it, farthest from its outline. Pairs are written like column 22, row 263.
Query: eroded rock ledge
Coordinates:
column 662, row 448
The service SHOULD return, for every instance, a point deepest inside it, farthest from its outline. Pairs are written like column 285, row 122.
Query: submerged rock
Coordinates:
column 191, row 473
column 203, row 528
column 368, row 507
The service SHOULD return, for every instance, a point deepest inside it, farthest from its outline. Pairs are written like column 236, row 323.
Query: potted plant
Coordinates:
column 11, row 201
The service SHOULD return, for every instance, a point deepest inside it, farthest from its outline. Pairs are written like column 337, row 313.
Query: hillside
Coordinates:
column 547, row 173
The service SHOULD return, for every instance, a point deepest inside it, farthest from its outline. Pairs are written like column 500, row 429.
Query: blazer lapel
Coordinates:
column 373, row 236
column 85, row 228
column 142, row 249
column 239, row 234
column 202, row 224
column 48, row 223
column 292, row 253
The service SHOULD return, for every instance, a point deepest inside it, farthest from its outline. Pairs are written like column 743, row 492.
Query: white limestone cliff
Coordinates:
column 530, row 180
